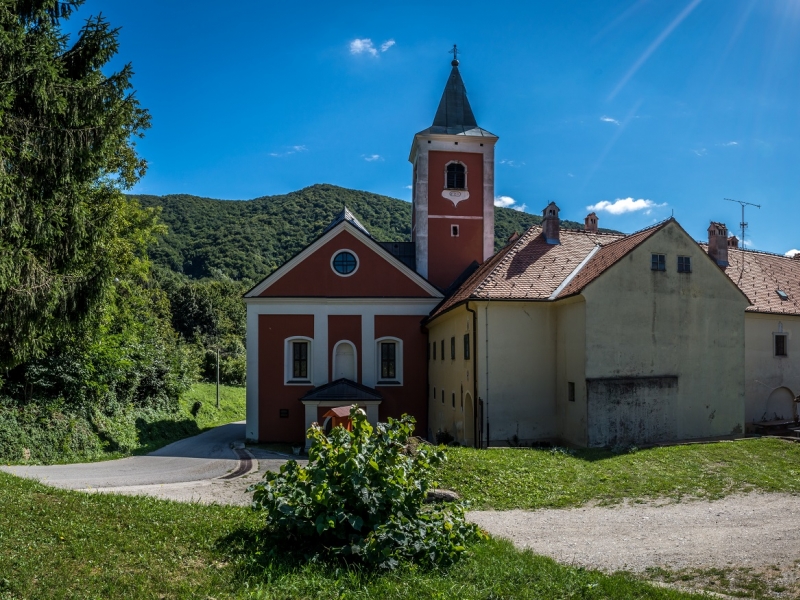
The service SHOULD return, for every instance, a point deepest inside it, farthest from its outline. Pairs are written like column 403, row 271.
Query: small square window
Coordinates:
column 283, row 413
column 453, row 230
column 452, row 348
column 684, row 264
column 658, row 262
column 571, row 391
column 780, row 344
column 466, row 346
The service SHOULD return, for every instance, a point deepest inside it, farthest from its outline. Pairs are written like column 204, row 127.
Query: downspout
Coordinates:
column 486, row 312
column 474, row 372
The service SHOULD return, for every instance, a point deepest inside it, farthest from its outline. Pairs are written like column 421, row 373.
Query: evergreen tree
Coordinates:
column 66, row 154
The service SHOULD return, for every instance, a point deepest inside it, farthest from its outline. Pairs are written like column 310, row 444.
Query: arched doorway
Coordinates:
column 469, row 420
column 344, row 361
column 780, row 405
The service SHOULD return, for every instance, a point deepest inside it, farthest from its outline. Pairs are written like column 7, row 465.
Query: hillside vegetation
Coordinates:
column 247, row 240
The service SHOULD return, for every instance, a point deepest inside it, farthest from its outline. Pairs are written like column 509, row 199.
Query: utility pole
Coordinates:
column 743, row 224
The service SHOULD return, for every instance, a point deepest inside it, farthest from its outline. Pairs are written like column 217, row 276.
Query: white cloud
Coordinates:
column 624, row 205
column 365, row 45
column 792, row 253
column 361, row 45
column 504, row 201
column 700, row 151
column 607, row 119
column 570, row 175
column 291, row 150
column 520, row 207
column 511, row 163
column 371, row 157
column 409, row 187
column 729, row 144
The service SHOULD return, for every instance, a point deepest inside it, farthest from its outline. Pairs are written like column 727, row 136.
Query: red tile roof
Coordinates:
column 529, row 268
column 760, row 275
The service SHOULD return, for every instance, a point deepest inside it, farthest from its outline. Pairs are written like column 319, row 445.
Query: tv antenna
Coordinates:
column 743, row 224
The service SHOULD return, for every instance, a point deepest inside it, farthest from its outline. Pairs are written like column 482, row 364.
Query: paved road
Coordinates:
column 203, row 457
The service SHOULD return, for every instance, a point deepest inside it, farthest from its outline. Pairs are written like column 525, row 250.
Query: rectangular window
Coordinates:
column 454, row 230
column 571, row 391
column 388, row 360
column 780, row 344
column 452, row 348
column 442, row 396
column 434, row 393
column 442, row 352
column 466, row 346
column 684, row 264
column 429, row 350
column 434, row 350
column 658, row 262
column 299, row 360
column 454, row 399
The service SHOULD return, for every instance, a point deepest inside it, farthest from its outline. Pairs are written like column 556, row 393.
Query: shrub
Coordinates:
column 360, row 499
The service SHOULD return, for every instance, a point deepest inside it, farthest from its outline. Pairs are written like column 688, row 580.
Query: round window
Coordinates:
column 344, row 263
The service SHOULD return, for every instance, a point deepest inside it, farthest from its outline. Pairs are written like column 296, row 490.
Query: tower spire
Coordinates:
column 454, row 52
column 454, row 111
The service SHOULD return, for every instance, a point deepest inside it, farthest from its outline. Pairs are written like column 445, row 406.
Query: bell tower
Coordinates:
column 452, row 188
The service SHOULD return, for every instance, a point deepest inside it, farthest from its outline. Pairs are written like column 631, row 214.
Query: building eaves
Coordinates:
column 344, row 390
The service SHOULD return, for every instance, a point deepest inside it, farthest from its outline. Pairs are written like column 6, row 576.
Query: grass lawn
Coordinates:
column 62, row 544
column 231, row 404
column 529, row 479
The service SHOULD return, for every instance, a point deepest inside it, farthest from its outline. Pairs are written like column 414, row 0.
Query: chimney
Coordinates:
column 733, row 242
column 718, row 243
column 590, row 223
column 550, row 228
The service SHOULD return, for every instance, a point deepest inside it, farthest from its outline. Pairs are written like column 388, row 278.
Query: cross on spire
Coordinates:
column 454, row 52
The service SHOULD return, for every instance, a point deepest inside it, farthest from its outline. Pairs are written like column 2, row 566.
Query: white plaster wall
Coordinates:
column 765, row 372
column 643, row 323
column 452, row 376
column 519, row 392
column 571, row 366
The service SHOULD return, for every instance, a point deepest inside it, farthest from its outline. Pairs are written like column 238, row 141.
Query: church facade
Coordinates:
column 570, row 336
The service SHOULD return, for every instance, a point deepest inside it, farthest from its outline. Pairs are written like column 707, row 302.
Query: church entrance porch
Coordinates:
column 338, row 394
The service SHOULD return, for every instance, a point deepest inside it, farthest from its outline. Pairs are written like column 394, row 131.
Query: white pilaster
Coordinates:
column 372, row 414
column 251, row 426
column 421, row 211
column 368, row 374
column 488, row 202
column 320, row 346
column 311, row 417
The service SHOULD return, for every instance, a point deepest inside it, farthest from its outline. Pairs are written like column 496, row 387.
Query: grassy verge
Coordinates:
column 61, row 544
column 530, row 479
column 35, row 435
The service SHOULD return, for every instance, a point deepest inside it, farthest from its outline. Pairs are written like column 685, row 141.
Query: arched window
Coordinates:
column 456, row 176
column 297, row 361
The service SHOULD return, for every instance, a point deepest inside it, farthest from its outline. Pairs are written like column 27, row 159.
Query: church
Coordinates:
column 570, row 336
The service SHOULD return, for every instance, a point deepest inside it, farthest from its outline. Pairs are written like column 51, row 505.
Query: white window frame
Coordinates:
column 288, row 360
column 398, row 355
column 355, row 357
column 466, row 175
column 337, row 253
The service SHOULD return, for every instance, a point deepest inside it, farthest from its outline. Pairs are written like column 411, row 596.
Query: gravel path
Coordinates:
column 752, row 530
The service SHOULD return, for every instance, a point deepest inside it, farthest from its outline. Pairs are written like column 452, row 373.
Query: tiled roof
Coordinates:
column 760, row 275
column 605, row 257
column 342, row 390
column 345, row 215
column 529, row 268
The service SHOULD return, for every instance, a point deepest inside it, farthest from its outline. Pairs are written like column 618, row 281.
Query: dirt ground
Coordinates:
column 753, row 537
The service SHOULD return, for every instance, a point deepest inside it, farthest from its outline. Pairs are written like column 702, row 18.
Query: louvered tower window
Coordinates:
column 456, row 176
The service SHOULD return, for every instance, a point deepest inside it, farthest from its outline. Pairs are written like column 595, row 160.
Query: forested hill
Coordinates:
column 247, row 240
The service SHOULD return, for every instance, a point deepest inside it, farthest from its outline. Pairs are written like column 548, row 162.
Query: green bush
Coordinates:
column 361, row 499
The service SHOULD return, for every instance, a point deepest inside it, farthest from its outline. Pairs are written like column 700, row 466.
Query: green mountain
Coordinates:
column 247, row 240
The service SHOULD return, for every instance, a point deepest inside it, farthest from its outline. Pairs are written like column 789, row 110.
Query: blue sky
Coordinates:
column 636, row 107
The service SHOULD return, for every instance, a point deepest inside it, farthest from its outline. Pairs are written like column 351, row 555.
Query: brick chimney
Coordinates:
column 733, row 242
column 718, row 243
column 550, row 228
column 590, row 223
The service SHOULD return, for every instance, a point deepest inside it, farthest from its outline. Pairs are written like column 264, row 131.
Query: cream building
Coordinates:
column 593, row 339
